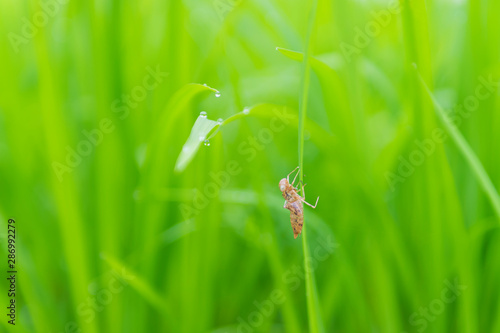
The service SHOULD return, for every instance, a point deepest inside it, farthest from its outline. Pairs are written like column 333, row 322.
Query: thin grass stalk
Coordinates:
column 470, row 157
column 313, row 311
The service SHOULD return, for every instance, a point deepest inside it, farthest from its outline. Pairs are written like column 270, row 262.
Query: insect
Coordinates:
column 293, row 202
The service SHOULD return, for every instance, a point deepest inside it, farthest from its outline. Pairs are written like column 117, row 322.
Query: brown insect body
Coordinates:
column 296, row 216
column 294, row 203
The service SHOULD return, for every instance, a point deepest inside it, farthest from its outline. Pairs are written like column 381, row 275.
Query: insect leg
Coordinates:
column 295, row 177
column 300, row 182
column 310, row 204
column 291, row 173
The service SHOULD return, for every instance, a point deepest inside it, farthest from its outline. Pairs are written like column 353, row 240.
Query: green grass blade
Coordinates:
column 198, row 134
column 471, row 158
column 143, row 288
column 313, row 307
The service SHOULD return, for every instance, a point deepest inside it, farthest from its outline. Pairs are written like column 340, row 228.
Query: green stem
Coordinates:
column 469, row 155
column 313, row 311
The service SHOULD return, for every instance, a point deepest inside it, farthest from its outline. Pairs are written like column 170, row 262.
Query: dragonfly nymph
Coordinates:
column 294, row 203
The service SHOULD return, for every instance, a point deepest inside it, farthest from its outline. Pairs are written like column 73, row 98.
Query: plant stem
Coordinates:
column 313, row 311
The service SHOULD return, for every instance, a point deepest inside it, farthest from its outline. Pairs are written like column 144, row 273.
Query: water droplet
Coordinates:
column 219, row 121
column 206, row 143
column 246, row 110
column 217, row 94
column 203, row 114
column 205, row 84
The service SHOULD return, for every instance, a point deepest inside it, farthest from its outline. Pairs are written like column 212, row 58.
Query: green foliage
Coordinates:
column 128, row 222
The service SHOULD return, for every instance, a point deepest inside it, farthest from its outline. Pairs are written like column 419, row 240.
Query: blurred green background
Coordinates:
column 98, row 98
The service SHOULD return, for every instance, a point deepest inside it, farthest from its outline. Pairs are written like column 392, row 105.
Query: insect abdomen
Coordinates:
column 296, row 216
